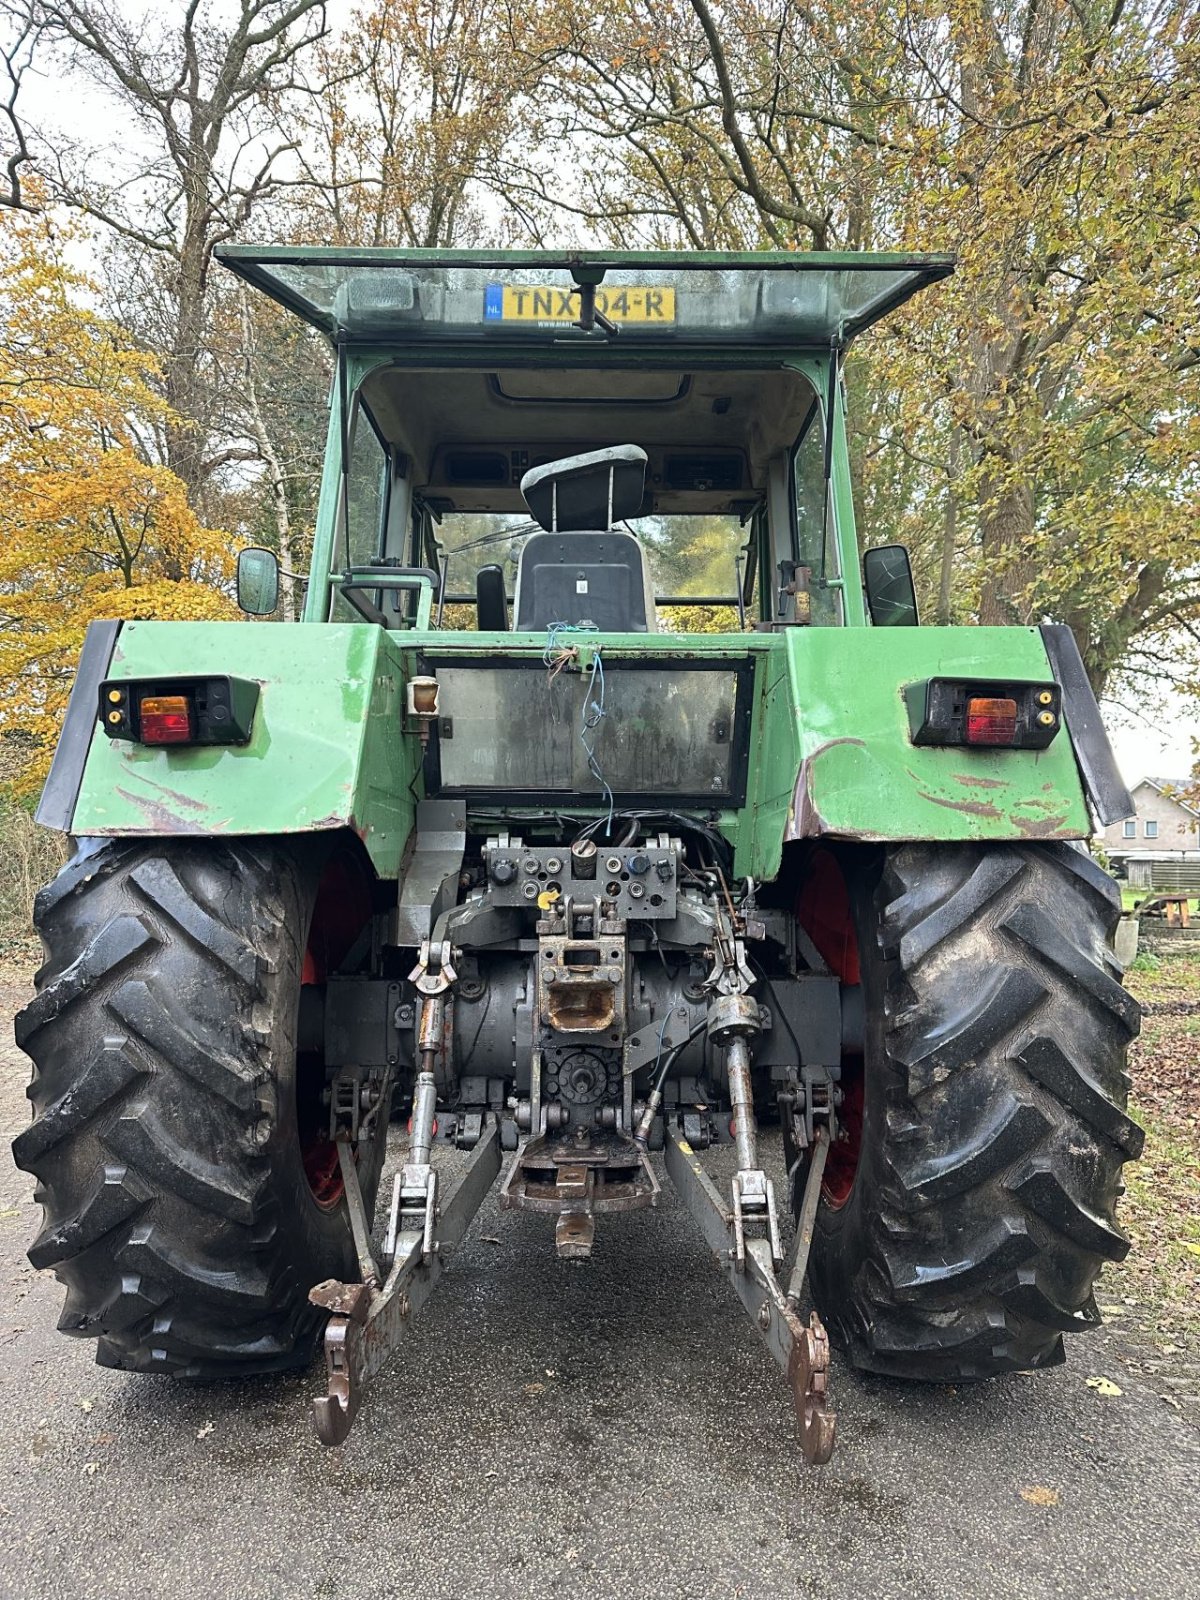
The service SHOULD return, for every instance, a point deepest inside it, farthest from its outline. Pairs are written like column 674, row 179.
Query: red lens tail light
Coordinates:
column 165, row 719
column 991, row 721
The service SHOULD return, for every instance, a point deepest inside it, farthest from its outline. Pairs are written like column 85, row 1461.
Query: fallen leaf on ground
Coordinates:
column 86, row 1405
column 9, row 1212
column 1038, row 1494
column 203, row 1433
column 1189, row 1244
column 1104, row 1386
column 91, row 1468
column 534, row 1388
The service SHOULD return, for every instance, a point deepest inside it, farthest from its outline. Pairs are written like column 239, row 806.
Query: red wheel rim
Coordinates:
column 824, row 911
column 340, row 912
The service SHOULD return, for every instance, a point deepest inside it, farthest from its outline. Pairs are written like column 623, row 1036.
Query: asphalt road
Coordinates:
column 597, row 1431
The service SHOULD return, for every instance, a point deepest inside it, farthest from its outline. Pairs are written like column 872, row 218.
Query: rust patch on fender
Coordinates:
column 157, row 813
column 1040, row 828
column 171, row 797
column 973, row 781
column 972, row 808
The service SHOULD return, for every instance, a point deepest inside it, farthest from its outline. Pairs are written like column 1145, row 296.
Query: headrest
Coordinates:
column 588, row 492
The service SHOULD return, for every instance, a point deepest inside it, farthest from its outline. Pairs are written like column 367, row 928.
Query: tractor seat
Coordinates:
column 581, row 569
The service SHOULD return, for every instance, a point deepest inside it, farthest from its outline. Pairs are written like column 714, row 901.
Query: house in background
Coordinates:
column 1159, row 847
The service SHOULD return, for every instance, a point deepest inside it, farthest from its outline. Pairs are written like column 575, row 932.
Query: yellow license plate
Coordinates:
column 528, row 303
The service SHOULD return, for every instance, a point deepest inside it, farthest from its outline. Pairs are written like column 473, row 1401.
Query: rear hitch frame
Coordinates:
column 801, row 1350
column 368, row 1319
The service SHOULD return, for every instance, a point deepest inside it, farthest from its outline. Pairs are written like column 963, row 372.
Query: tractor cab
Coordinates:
column 465, row 380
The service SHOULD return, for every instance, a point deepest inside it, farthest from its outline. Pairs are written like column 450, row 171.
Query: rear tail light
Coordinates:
column 165, row 719
column 991, row 721
column 179, row 711
column 983, row 714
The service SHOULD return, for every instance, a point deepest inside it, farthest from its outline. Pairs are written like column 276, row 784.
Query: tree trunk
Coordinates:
column 949, row 530
column 275, row 475
column 1006, row 528
column 186, row 440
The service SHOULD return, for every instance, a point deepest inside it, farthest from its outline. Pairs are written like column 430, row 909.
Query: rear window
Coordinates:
column 687, row 555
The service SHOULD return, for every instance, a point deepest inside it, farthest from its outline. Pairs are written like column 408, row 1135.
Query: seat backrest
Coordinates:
column 599, row 578
column 491, row 600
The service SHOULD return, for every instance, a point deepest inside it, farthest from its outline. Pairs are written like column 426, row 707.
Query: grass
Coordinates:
column 1160, row 1278
column 1161, row 1213
column 29, row 857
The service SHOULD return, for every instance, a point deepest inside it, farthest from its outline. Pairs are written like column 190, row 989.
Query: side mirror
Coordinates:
column 257, row 581
column 888, row 581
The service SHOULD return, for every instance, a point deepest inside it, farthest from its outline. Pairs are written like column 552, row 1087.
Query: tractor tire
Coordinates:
column 177, row 1207
column 966, row 1236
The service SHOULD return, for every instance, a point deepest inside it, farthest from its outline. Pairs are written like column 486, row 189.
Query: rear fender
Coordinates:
column 837, row 735
column 327, row 748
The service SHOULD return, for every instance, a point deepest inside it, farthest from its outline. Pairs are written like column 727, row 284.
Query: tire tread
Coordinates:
column 993, row 1172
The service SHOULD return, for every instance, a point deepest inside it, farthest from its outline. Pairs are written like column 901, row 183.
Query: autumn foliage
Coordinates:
column 91, row 525
column 1029, row 428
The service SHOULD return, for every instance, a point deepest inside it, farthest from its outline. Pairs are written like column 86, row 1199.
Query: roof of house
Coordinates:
column 1173, row 789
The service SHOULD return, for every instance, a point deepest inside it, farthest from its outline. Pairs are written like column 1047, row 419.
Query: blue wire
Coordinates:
column 593, row 712
column 593, row 715
column 552, row 640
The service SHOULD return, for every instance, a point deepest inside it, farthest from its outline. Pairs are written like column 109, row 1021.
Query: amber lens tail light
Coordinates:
column 165, row 719
column 991, row 721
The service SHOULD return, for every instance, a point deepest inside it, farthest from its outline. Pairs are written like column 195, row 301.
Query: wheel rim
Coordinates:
column 341, row 910
column 825, row 912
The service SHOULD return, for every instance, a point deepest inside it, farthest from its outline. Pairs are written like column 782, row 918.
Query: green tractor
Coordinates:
column 504, row 840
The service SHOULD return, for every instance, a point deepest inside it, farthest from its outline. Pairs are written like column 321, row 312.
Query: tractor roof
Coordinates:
column 660, row 299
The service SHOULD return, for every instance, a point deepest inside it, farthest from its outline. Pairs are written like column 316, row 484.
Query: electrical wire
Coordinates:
column 664, row 1063
column 555, row 657
column 556, row 654
column 718, row 846
column 593, row 714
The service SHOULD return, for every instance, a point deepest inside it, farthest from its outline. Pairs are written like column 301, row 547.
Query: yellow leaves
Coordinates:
column 1040, row 1494
column 1104, row 1387
column 89, row 527
column 164, row 600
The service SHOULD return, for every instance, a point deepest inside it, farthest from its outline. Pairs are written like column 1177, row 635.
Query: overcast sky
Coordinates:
column 1161, row 748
